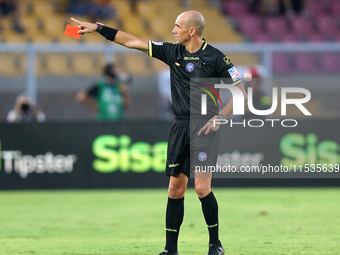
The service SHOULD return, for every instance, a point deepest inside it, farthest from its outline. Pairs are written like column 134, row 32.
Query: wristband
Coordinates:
column 108, row 32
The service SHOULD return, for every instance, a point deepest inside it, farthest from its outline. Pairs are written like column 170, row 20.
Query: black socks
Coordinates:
column 173, row 221
column 210, row 212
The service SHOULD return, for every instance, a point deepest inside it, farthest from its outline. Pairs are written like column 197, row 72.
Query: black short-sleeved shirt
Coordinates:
column 93, row 91
column 185, row 67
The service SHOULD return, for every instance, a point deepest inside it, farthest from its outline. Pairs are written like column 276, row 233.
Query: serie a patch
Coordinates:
column 234, row 74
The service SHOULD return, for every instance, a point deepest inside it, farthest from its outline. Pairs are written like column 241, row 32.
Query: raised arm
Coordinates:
column 120, row 37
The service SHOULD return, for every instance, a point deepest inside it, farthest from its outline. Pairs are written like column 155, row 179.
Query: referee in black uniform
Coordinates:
column 190, row 142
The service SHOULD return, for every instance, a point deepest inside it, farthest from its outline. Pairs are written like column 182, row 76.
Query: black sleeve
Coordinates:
column 108, row 32
column 162, row 50
column 227, row 71
column 93, row 91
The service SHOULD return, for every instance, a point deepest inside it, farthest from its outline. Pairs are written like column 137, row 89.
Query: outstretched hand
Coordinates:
column 86, row 27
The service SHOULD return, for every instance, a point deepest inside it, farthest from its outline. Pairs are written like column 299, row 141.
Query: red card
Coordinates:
column 72, row 31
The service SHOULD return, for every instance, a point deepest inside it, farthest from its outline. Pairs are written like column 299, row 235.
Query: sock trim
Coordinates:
column 171, row 230
column 212, row 226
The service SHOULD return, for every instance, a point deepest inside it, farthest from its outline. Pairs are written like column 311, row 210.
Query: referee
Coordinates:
column 192, row 139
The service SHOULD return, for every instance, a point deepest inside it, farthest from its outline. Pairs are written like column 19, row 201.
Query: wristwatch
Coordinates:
column 220, row 116
column 99, row 27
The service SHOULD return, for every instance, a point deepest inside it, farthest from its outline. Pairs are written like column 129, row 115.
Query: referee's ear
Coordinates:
column 192, row 31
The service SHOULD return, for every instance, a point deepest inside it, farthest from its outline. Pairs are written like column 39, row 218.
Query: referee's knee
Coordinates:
column 176, row 191
column 202, row 190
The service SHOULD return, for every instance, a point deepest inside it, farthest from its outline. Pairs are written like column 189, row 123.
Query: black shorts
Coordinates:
column 187, row 150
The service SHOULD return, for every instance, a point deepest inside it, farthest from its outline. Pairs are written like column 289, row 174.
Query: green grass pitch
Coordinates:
column 252, row 221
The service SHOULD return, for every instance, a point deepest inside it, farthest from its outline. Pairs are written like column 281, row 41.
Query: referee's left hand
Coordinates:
column 209, row 127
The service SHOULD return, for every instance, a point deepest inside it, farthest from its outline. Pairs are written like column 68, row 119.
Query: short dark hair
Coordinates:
column 109, row 70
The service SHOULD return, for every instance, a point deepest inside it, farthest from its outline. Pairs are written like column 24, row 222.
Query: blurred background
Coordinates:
column 90, row 114
column 55, row 79
column 284, row 39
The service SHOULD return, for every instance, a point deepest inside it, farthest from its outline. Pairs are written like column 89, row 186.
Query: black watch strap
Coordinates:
column 220, row 116
column 99, row 27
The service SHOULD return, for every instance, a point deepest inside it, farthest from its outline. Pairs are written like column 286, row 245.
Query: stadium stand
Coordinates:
column 306, row 63
column 301, row 25
column 319, row 23
column 54, row 25
column 43, row 8
column 327, row 25
column 147, row 7
column 336, row 38
column 136, row 25
column 281, row 63
column 87, row 64
column 135, row 63
column 331, row 62
column 14, row 37
column 316, row 8
column 236, row 8
column 316, row 37
column 55, row 64
column 250, row 25
column 12, row 64
column 288, row 38
column 335, row 7
column 123, row 8
column 45, row 22
column 262, row 38
column 322, row 19
column 276, row 25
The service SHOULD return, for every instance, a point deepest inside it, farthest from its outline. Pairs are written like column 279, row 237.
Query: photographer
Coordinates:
column 25, row 110
column 109, row 96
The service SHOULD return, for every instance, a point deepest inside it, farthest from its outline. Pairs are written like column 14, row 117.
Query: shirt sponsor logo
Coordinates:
column 157, row 43
column 202, row 156
column 190, row 67
column 234, row 74
column 191, row 58
column 173, row 165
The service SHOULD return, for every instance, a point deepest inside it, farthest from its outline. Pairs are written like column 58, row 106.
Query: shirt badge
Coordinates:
column 190, row 67
column 226, row 60
column 202, row 156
